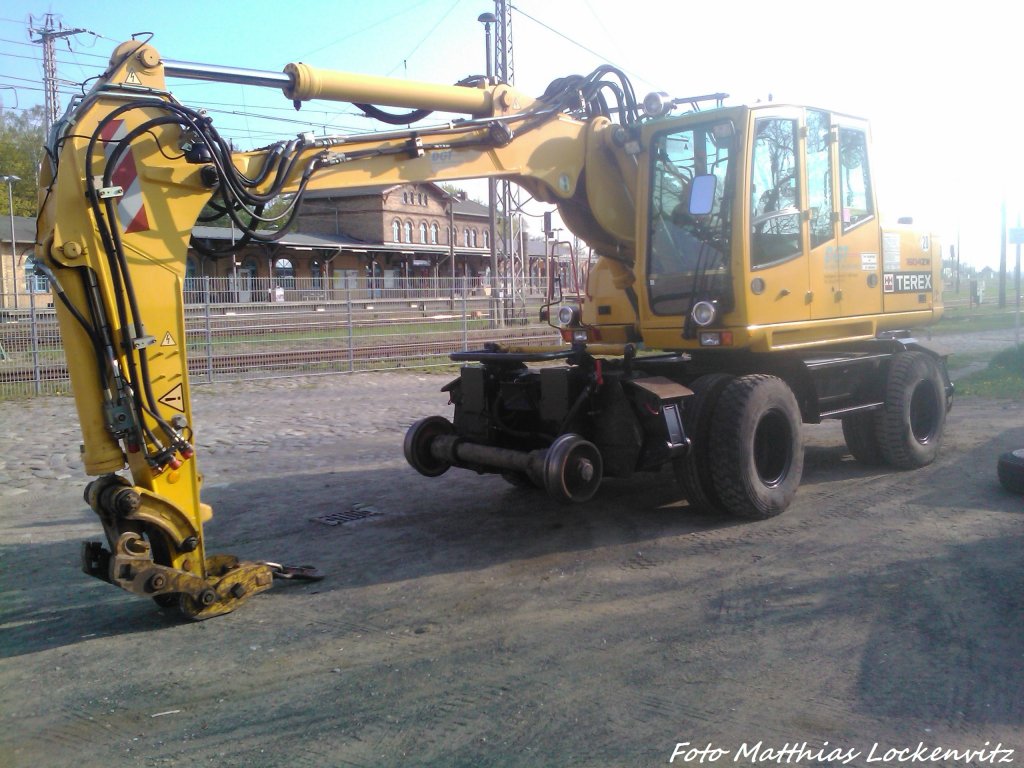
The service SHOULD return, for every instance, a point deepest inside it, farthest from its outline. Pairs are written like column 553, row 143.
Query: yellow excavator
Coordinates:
column 744, row 286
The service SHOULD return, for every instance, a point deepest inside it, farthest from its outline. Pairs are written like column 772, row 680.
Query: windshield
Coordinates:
column 688, row 252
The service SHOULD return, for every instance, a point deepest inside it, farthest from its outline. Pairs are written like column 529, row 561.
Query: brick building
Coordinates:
column 367, row 238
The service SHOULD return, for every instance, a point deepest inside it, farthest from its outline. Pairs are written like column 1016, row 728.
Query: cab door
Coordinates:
column 859, row 235
column 777, row 278
column 843, row 228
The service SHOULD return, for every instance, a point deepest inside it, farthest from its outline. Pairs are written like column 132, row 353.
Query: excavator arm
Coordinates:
column 128, row 171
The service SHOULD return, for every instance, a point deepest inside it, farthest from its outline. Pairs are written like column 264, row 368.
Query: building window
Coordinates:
column 465, row 237
column 423, row 232
column 396, row 231
column 405, row 198
column 487, row 239
column 407, row 229
column 35, row 282
column 433, row 234
column 284, row 274
column 316, row 271
column 472, row 238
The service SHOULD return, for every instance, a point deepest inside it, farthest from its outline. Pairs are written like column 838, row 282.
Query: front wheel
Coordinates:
column 693, row 469
column 757, row 456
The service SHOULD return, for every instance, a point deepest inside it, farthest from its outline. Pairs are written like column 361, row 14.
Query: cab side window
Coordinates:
column 854, row 178
column 819, row 177
column 774, row 203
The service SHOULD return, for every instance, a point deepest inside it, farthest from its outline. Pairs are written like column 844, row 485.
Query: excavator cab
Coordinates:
column 760, row 230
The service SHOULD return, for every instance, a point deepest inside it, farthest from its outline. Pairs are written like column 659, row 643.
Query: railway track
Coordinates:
column 208, row 364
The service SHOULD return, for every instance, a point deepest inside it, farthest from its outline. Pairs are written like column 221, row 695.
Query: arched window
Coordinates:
column 396, row 231
column 472, row 237
column 487, row 239
column 433, row 233
column 284, row 274
column 407, row 229
column 423, row 232
column 465, row 237
column 405, row 198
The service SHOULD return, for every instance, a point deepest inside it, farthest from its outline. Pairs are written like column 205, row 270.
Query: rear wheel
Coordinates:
column 693, row 469
column 861, row 438
column 910, row 425
column 756, row 449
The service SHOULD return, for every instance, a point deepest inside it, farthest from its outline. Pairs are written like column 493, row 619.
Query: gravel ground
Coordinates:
column 470, row 623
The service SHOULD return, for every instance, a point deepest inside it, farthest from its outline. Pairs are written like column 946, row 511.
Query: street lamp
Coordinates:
column 14, row 244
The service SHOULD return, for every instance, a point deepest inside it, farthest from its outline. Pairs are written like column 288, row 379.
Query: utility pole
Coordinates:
column 507, row 204
column 1002, row 255
column 47, row 34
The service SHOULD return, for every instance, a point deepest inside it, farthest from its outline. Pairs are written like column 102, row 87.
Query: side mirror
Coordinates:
column 702, row 195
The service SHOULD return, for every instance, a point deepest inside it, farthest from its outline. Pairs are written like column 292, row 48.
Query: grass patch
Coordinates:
column 1004, row 376
column 964, row 320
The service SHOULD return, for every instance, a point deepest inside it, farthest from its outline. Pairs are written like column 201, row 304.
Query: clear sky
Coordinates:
column 940, row 82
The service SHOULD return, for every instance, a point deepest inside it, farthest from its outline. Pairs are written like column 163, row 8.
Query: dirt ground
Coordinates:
column 470, row 623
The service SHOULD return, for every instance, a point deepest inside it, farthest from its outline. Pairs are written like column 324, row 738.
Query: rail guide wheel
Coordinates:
column 572, row 469
column 1011, row 470
column 417, row 445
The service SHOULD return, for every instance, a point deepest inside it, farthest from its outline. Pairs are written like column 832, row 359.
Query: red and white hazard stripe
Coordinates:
column 131, row 208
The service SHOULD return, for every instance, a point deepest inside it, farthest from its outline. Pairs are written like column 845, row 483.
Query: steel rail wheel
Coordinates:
column 572, row 469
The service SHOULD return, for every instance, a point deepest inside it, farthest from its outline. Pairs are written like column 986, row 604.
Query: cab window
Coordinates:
column 774, row 211
column 819, row 177
column 855, row 177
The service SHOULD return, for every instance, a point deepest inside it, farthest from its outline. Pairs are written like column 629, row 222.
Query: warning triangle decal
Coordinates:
column 174, row 399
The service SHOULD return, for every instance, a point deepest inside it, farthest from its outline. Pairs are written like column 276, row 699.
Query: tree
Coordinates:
column 21, row 150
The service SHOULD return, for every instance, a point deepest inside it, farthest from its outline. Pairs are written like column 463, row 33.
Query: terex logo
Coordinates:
column 907, row 282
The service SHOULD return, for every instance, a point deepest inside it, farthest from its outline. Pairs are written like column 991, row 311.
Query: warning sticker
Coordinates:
column 891, row 251
column 168, row 340
column 175, row 399
column 132, row 78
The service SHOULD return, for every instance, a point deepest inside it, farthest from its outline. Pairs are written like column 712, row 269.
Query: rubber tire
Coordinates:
column 417, row 445
column 693, row 469
column 757, row 416
column 563, row 478
column 862, row 438
column 910, row 425
column 1011, row 470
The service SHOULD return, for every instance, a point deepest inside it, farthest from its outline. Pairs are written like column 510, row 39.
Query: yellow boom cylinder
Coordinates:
column 311, row 83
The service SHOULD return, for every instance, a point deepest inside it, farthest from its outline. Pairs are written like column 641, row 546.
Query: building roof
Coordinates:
column 24, row 230
column 290, row 239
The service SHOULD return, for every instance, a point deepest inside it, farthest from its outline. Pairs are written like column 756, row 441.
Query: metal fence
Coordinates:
column 259, row 328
